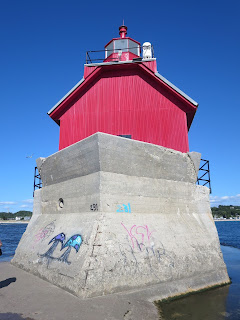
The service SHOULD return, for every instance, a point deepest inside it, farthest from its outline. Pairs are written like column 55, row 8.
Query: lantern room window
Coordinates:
column 134, row 47
column 124, row 45
column 109, row 49
column 120, row 45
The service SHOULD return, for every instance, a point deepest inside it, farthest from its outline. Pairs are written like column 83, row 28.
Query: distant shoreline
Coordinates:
column 13, row 221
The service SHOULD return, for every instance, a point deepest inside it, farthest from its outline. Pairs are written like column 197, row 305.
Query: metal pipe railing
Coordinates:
column 90, row 59
column 37, row 183
column 204, row 171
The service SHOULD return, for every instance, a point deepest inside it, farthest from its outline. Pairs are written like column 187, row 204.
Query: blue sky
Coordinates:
column 43, row 46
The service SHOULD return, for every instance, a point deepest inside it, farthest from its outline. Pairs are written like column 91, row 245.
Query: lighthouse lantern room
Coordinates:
column 124, row 95
column 123, row 48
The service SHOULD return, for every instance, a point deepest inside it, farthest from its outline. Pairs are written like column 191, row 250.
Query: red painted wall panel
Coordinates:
column 151, row 65
column 88, row 70
column 126, row 102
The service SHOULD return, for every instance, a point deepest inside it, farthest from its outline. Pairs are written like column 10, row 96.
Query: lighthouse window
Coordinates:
column 120, row 45
column 134, row 47
column 109, row 49
column 128, row 136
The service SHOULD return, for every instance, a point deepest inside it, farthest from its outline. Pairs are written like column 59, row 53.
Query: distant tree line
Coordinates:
column 226, row 211
column 10, row 215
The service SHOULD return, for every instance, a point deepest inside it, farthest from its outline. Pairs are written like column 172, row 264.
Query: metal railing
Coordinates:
column 37, row 180
column 92, row 56
column 204, row 174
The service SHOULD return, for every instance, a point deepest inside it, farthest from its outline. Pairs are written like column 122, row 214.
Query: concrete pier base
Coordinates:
column 116, row 215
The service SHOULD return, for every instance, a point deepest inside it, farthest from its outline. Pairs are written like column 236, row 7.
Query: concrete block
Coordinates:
column 72, row 196
column 39, row 163
column 115, row 215
column 104, row 152
column 79, row 159
column 37, row 206
column 196, row 158
column 136, row 158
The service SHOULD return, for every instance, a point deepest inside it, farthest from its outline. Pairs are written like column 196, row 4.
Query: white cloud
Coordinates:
column 24, row 206
column 27, row 201
column 3, row 203
column 225, row 200
column 14, row 206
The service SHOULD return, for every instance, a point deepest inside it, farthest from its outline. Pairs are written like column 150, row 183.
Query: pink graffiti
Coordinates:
column 41, row 234
column 136, row 232
column 44, row 233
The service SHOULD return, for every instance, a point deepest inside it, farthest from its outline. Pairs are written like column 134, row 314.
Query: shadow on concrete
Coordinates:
column 13, row 316
column 6, row 283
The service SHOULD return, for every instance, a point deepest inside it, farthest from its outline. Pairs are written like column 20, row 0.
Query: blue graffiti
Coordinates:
column 56, row 240
column 124, row 208
column 74, row 242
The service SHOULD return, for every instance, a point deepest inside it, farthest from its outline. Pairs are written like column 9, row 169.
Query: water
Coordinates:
column 10, row 235
column 229, row 233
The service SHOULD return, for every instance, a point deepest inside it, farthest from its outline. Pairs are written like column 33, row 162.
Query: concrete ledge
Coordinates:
column 136, row 158
column 104, row 152
column 79, row 159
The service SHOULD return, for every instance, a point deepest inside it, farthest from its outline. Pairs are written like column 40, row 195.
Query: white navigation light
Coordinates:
column 147, row 50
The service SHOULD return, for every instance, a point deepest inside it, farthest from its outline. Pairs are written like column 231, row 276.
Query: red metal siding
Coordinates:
column 151, row 65
column 126, row 102
column 88, row 70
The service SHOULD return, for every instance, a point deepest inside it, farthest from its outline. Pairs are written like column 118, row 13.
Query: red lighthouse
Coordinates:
column 125, row 95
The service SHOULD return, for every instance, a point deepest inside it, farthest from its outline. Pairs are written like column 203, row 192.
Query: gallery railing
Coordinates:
column 37, row 180
column 204, row 174
column 96, row 56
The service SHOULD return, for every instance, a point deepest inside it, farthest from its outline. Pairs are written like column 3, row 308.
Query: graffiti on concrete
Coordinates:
column 55, row 241
column 139, row 235
column 143, row 251
column 94, row 207
column 44, row 233
column 124, row 208
column 74, row 241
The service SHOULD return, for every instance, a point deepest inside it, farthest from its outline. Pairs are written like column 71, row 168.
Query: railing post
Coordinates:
column 202, row 177
column 37, row 176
